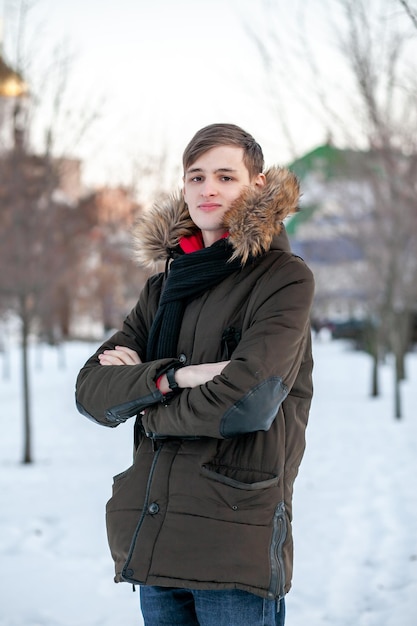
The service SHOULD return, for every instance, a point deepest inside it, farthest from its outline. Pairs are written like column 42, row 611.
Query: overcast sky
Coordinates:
column 158, row 70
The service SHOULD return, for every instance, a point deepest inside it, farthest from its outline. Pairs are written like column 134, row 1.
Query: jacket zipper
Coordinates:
column 276, row 587
column 159, row 439
column 157, row 452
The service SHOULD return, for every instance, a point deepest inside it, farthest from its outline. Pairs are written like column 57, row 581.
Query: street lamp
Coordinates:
column 12, row 84
column 13, row 91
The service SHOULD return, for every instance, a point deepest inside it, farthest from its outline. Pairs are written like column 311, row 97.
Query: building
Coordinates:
column 336, row 199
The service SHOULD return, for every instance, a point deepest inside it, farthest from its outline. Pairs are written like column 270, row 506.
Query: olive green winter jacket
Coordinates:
column 207, row 501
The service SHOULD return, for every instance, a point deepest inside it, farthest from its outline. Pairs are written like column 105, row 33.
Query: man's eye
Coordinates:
column 227, row 178
column 196, row 179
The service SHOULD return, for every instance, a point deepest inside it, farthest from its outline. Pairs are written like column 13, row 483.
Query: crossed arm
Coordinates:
column 188, row 376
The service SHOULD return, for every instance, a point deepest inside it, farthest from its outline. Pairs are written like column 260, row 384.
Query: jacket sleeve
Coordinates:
column 111, row 394
column 246, row 396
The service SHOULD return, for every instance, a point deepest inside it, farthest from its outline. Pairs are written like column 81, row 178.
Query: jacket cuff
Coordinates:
column 121, row 412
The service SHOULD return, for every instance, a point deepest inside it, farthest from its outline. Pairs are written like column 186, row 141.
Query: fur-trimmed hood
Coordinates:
column 252, row 221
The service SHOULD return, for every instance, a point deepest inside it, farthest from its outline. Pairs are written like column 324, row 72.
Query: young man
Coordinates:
column 217, row 370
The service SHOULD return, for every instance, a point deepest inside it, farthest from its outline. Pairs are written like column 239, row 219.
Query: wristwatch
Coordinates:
column 170, row 374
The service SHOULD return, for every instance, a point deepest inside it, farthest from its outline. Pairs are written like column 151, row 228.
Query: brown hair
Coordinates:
column 216, row 135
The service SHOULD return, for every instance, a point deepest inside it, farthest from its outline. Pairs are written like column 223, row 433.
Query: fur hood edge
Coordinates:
column 253, row 220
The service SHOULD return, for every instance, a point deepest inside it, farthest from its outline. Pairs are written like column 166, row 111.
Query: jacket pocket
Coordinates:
column 237, row 495
column 239, row 478
column 128, row 489
column 119, row 479
column 122, row 515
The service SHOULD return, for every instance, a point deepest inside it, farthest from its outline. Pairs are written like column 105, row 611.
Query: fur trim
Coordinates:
column 160, row 228
column 256, row 216
column 252, row 221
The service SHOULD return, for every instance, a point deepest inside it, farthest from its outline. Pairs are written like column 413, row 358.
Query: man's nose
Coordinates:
column 208, row 188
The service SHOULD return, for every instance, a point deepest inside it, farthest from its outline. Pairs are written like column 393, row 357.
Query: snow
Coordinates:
column 355, row 502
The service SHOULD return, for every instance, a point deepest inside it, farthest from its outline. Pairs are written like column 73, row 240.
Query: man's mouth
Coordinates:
column 209, row 206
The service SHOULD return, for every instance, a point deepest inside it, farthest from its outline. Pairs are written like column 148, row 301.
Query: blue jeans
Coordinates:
column 166, row 606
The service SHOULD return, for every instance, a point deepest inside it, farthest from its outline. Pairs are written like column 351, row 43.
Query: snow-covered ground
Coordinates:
column 355, row 502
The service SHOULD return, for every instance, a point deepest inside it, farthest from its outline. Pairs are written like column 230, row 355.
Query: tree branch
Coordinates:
column 409, row 12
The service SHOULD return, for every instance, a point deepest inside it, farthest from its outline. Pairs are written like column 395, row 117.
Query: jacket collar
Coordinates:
column 254, row 221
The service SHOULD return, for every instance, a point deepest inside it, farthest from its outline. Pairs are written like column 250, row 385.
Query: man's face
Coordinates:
column 211, row 184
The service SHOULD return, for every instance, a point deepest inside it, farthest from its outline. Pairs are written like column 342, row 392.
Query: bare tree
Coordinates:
column 386, row 90
column 27, row 219
column 36, row 222
column 375, row 52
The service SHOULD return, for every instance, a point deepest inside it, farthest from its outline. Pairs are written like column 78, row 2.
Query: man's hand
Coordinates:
column 121, row 355
column 193, row 375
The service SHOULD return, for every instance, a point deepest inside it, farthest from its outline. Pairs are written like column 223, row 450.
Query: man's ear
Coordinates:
column 260, row 180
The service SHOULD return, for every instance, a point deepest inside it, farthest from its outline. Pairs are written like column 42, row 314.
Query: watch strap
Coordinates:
column 172, row 383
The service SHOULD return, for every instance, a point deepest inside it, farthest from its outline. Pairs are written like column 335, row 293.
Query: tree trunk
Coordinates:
column 400, row 341
column 375, row 377
column 27, row 430
column 372, row 346
column 405, row 332
column 397, row 388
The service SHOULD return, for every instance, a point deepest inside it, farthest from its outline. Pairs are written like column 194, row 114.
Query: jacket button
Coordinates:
column 153, row 508
column 182, row 358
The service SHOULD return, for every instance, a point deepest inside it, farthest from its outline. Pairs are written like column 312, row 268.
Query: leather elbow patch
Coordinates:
column 256, row 410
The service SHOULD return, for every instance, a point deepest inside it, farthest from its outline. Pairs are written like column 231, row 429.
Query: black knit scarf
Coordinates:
column 189, row 276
